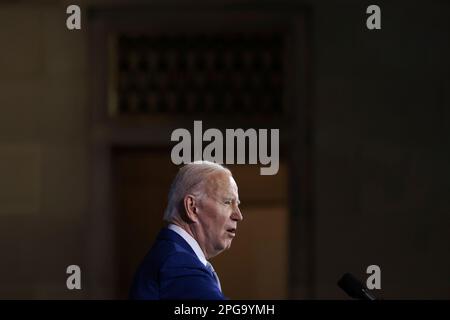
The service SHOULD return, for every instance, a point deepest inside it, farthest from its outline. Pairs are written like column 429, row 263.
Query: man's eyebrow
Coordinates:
column 233, row 198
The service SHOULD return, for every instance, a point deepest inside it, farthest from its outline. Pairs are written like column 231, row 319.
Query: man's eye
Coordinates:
column 228, row 201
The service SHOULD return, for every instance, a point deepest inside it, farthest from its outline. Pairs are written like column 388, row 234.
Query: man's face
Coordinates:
column 218, row 214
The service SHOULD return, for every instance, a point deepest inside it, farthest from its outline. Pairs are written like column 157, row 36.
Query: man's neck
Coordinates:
column 187, row 227
column 195, row 245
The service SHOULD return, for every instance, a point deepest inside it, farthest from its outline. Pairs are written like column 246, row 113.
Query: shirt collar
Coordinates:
column 191, row 241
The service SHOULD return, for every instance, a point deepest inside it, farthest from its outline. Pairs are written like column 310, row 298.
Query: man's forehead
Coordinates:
column 221, row 181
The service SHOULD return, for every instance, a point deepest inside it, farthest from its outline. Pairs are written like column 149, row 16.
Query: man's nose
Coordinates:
column 237, row 214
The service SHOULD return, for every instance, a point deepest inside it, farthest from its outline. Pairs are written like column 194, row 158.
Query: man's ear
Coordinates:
column 190, row 208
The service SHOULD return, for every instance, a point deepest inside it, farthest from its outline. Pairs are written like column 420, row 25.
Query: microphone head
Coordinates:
column 353, row 287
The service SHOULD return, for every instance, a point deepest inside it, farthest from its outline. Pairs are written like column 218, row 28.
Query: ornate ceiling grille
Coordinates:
column 194, row 74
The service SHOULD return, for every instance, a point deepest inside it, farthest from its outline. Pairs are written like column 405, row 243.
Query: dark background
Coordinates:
column 364, row 119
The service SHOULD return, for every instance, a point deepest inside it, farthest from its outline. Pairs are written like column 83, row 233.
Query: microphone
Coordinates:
column 354, row 288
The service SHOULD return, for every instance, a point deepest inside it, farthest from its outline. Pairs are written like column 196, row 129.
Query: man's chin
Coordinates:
column 228, row 244
column 225, row 247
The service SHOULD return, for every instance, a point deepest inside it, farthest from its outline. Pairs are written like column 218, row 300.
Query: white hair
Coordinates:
column 189, row 180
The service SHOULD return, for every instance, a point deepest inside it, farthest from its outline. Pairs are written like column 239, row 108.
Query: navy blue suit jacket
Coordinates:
column 171, row 271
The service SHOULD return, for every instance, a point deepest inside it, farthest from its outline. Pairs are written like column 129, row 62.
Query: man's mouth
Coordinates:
column 232, row 231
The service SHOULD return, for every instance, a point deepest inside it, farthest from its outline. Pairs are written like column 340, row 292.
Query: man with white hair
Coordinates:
column 201, row 216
